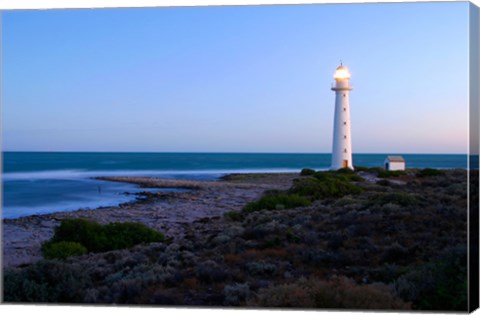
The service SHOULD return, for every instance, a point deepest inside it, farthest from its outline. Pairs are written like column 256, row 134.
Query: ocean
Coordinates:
column 38, row 183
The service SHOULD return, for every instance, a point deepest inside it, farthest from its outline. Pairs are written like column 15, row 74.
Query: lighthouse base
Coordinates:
column 341, row 168
column 341, row 165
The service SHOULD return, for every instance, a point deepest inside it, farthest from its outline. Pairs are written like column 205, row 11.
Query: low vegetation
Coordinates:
column 387, row 174
column 78, row 236
column 326, row 185
column 277, row 201
column 314, row 186
column 307, row 172
column 429, row 172
column 330, row 241
column 336, row 293
column 62, row 250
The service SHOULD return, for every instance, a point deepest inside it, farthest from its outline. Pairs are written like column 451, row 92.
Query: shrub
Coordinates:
column 310, row 187
column 86, row 232
column 387, row 273
column 361, row 168
column 233, row 215
column 261, row 268
column 324, row 186
column 376, row 169
column 441, row 284
column 383, row 182
column 277, row 201
column 395, row 253
column 127, row 234
column 403, row 199
column 209, row 271
column 344, row 174
column 340, row 293
column 399, row 198
column 345, row 171
column 386, row 174
column 344, row 293
column 426, row 172
column 335, row 241
column 355, row 178
column 284, row 295
column 236, row 294
column 97, row 238
column 62, row 250
column 50, row 281
column 307, row 172
column 292, row 236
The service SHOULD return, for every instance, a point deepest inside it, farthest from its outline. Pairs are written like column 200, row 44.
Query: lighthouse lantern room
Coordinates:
column 342, row 139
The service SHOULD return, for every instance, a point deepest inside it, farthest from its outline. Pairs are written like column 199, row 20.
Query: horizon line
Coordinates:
column 232, row 152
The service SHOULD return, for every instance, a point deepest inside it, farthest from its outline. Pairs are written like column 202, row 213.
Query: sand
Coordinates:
column 171, row 213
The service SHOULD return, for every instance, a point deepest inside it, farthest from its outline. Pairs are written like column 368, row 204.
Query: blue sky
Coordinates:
column 235, row 79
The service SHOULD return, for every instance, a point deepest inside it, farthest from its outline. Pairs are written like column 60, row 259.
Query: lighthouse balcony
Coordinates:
column 341, row 88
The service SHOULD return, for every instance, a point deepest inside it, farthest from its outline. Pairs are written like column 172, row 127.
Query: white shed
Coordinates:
column 394, row 163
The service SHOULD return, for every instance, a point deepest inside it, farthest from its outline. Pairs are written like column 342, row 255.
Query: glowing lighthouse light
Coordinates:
column 341, row 73
column 342, row 139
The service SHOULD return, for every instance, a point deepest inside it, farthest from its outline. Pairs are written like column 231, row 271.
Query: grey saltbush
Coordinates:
column 236, row 293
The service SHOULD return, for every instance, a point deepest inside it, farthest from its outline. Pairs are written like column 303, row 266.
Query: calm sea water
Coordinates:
column 36, row 183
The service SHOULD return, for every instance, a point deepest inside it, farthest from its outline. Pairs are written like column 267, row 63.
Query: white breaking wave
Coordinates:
column 79, row 174
column 57, row 174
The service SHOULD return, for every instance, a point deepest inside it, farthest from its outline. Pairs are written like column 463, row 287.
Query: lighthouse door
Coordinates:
column 345, row 163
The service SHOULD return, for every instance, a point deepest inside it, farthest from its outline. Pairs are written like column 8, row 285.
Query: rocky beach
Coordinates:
column 170, row 212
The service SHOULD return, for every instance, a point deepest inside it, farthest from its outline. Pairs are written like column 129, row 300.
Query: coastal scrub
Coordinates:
column 277, row 201
column 395, row 246
column 77, row 236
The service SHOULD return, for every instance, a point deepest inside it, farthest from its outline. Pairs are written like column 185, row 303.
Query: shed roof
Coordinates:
column 395, row 158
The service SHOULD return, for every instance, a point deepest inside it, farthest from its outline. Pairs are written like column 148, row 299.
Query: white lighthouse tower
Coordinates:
column 342, row 138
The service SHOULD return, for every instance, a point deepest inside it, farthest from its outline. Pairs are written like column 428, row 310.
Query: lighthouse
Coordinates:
column 342, row 136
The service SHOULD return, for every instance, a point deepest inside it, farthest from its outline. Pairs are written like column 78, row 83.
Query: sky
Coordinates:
column 235, row 79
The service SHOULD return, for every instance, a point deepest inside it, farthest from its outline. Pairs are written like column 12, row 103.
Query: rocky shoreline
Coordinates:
column 341, row 240
column 169, row 212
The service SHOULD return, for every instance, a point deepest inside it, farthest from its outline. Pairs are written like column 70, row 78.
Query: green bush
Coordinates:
column 62, row 250
column 354, row 178
column 128, row 234
column 345, row 170
column 307, row 172
column 345, row 174
column 98, row 238
column 86, row 232
column 386, row 174
column 361, row 168
column 429, row 172
column 324, row 186
column 233, row 215
column 399, row 198
column 277, row 201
